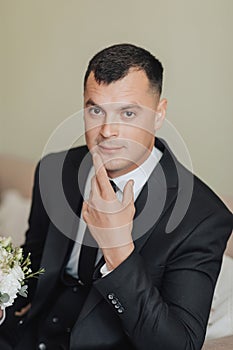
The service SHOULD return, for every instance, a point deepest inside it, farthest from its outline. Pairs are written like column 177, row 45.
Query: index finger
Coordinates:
column 101, row 174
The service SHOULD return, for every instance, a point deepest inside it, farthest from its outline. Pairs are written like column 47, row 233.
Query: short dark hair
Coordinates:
column 113, row 63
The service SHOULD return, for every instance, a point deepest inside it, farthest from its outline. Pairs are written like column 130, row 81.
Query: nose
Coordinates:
column 109, row 128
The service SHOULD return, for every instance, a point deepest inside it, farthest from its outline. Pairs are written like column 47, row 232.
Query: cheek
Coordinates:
column 140, row 136
column 92, row 128
column 91, row 136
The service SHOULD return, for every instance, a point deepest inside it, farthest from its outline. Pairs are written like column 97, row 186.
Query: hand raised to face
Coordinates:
column 109, row 220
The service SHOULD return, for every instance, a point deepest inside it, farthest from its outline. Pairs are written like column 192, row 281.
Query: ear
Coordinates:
column 160, row 113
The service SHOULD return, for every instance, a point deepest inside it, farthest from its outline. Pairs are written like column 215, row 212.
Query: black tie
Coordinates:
column 88, row 253
column 114, row 186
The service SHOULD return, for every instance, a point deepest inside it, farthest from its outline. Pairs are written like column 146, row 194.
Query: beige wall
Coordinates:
column 46, row 44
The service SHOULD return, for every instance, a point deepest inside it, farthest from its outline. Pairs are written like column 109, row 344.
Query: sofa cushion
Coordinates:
column 220, row 322
column 14, row 212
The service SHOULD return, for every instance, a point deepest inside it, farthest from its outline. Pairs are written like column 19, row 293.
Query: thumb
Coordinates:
column 128, row 194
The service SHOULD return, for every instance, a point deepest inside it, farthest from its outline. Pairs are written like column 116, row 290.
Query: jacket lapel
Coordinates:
column 53, row 260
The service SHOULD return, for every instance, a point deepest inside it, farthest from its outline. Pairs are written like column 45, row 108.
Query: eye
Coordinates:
column 96, row 111
column 129, row 114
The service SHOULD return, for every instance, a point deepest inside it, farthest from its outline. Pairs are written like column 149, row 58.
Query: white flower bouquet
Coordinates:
column 14, row 272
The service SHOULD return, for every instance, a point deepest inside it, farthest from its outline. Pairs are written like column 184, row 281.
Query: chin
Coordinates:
column 118, row 167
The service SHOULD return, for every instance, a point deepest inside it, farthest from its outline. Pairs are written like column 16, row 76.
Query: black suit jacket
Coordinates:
column 164, row 288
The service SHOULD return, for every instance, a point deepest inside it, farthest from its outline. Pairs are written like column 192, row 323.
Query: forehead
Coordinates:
column 134, row 88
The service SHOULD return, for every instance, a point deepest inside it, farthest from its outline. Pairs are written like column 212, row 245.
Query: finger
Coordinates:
column 94, row 193
column 101, row 175
column 85, row 211
column 94, row 187
column 23, row 310
column 128, row 194
column 99, row 165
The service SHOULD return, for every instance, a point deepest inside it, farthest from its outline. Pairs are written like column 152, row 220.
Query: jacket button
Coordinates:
column 75, row 289
column 20, row 322
column 55, row 319
column 120, row 310
column 111, row 296
column 42, row 346
column 117, row 306
column 114, row 301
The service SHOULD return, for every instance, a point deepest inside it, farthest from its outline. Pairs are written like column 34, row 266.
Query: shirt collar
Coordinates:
column 141, row 174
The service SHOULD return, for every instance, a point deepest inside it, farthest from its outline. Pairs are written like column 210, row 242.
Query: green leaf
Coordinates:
column 23, row 291
column 4, row 298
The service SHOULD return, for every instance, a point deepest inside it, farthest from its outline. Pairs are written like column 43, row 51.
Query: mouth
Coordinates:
column 109, row 148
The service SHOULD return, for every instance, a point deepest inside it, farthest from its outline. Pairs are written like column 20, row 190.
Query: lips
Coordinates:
column 109, row 148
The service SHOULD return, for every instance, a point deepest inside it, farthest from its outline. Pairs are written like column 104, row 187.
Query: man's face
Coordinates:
column 121, row 119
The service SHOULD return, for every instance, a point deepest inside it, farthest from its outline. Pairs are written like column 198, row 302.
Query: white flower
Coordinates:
column 10, row 285
column 14, row 269
column 18, row 254
column 3, row 254
column 5, row 241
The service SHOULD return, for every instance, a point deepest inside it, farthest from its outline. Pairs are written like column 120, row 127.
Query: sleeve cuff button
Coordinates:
column 111, row 296
column 120, row 310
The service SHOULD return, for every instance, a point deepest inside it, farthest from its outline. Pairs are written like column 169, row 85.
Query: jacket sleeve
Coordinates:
column 174, row 315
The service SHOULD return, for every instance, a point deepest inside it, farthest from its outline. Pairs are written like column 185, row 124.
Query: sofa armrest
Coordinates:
column 225, row 343
column 229, row 250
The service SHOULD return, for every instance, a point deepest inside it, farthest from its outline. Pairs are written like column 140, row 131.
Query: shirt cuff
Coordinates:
column 104, row 270
column 3, row 316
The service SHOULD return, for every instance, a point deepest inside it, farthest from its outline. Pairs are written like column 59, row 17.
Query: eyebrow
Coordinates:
column 129, row 106
column 90, row 102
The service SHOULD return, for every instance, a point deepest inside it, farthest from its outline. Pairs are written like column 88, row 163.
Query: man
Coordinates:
column 150, row 283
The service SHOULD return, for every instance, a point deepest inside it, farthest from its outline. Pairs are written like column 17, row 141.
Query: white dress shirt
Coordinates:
column 140, row 176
